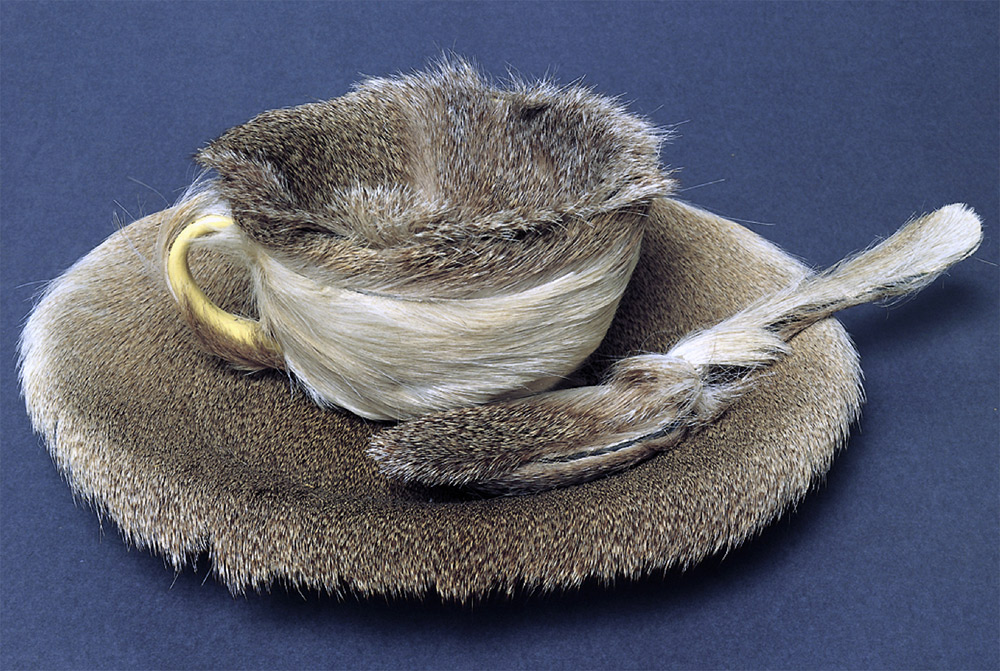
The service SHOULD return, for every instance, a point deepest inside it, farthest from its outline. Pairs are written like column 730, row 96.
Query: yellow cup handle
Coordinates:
column 239, row 331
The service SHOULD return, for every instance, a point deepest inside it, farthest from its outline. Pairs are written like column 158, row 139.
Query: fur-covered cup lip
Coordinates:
column 190, row 456
column 423, row 167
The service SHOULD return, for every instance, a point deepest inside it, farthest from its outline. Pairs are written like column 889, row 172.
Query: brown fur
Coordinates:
column 443, row 186
column 440, row 184
column 650, row 402
column 188, row 455
column 498, row 226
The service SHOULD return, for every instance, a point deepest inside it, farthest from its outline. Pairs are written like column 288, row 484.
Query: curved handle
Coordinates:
column 239, row 332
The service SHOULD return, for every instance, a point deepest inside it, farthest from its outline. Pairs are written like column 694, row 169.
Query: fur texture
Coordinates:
column 475, row 248
column 649, row 403
column 189, row 456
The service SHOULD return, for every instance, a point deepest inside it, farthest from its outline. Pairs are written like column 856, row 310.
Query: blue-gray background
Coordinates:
column 821, row 126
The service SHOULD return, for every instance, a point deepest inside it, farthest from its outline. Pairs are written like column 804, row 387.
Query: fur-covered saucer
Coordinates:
column 407, row 189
